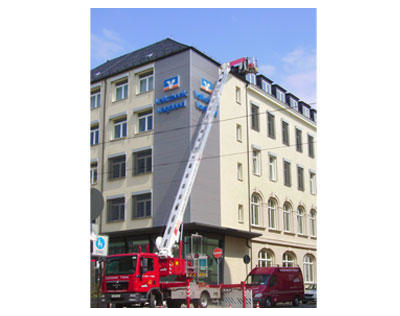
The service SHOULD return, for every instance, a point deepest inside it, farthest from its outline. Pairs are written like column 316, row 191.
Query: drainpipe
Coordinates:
column 248, row 176
column 102, row 154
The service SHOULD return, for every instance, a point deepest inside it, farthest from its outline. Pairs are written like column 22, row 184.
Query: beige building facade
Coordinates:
column 256, row 189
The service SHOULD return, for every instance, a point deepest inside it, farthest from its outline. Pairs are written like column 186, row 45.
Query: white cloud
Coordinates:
column 267, row 70
column 106, row 46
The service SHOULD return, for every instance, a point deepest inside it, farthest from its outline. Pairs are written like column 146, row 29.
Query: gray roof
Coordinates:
column 139, row 57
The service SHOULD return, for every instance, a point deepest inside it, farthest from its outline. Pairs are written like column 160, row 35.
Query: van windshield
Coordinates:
column 257, row 279
column 120, row 265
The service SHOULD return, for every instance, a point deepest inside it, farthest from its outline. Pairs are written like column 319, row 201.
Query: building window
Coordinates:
column 306, row 112
column 294, row 104
column 145, row 121
column 287, row 213
column 251, row 78
column 121, row 90
column 116, row 210
column 265, row 258
column 93, row 173
column 95, row 98
column 119, row 128
column 313, row 223
column 142, row 162
column 255, row 118
column 117, row 167
column 308, row 269
column 272, row 167
column 239, row 171
column 313, row 184
column 141, row 205
column 266, row 86
column 300, row 178
column 286, row 173
column 255, row 209
column 239, row 132
column 94, row 134
column 256, row 162
column 300, row 220
column 310, row 146
column 299, row 140
column 240, row 214
column 280, row 95
column 146, row 82
column 238, row 97
column 285, row 133
column 288, row 260
column 272, row 213
column 271, row 125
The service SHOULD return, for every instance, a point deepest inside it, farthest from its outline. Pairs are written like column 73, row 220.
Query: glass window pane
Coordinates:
column 150, row 123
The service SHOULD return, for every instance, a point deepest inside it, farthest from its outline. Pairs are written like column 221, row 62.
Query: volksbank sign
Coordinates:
column 171, row 83
column 171, row 107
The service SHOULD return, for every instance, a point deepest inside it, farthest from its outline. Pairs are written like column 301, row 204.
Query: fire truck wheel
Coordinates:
column 155, row 299
column 173, row 303
column 295, row 301
column 204, row 299
column 268, row 302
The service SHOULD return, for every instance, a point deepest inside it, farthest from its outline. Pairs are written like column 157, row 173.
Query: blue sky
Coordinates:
column 282, row 40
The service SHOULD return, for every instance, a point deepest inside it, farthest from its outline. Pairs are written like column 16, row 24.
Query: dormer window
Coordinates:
column 293, row 104
column 306, row 112
column 280, row 95
column 266, row 86
column 251, row 78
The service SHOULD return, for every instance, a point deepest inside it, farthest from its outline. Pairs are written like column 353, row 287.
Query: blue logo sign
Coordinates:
column 206, row 85
column 100, row 243
column 171, row 107
column 171, row 83
column 171, row 97
column 201, row 97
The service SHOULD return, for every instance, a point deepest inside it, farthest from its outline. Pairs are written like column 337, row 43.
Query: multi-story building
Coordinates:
column 255, row 193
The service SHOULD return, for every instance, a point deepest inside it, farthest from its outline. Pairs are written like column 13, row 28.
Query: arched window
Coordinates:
column 255, row 209
column 308, row 269
column 313, row 223
column 300, row 220
column 265, row 258
column 288, row 259
column 287, row 213
column 272, row 213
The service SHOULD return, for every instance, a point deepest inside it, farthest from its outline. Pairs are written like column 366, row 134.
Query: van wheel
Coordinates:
column 295, row 301
column 268, row 302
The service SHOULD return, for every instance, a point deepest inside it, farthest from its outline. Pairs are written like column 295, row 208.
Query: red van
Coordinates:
column 276, row 284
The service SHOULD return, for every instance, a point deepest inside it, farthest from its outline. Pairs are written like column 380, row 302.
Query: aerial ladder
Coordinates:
column 173, row 231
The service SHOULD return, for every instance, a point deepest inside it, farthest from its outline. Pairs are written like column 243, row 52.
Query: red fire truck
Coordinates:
column 143, row 277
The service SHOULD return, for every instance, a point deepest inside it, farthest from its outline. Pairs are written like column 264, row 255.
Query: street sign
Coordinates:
column 100, row 246
column 217, row 253
column 246, row 259
column 96, row 203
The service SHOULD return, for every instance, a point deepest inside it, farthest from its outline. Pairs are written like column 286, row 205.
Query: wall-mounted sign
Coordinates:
column 201, row 97
column 206, row 85
column 100, row 246
column 171, row 107
column 171, row 83
column 171, row 97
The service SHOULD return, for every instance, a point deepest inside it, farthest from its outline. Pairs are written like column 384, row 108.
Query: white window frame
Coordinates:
column 311, row 145
column 265, row 258
column 287, row 214
column 145, row 115
column 93, row 173
column 266, row 86
column 95, row 95
column 300, row 178
column 251, row 78
column 299, row 139
column 280, row 95
column 269, row 123
column 121, row 164
column 135, row 196
column 145, row 76
column 119, row 205
column 255, row 209
column 94, row 133
column 124, row 86
column 300, row 221
column 313, row 223
column 255, row 117
column 289, row 174
column 147, row 162
column 256, row 161
column 238, row 95
column 283, row 124
column 288, row 260
column 272, row 212
column 313, row 183
column 308, row 269
column 273, row 167
column 294, row 104
column 306, row 112
column 121, row 122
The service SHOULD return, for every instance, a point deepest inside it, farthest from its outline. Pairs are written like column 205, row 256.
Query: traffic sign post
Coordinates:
column 217, row 253
column 100, row 246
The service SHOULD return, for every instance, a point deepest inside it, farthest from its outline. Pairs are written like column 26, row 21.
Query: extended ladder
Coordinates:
column 172, row 231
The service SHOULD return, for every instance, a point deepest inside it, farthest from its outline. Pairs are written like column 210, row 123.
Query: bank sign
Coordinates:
column 171, row 83
column 206, row 85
